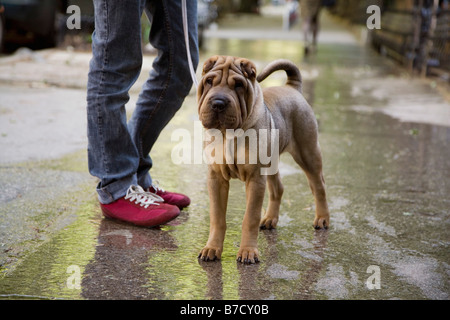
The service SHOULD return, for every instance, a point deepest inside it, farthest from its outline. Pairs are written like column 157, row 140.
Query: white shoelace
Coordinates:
column 155, row 185
column 139, row 196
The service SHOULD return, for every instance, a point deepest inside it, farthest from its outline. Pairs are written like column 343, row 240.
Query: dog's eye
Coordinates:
column 209, row 81
column 238, row 84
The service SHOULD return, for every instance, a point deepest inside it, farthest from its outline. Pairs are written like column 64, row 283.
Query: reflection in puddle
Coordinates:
column 120, row 262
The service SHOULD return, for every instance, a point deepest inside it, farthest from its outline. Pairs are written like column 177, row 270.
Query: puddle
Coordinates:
column 405, row 99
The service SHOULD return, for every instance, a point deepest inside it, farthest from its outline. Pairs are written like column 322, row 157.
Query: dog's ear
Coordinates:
column 248, row 69
column 209, row 64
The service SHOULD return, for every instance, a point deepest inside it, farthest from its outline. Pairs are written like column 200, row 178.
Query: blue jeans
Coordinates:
column 118, row 152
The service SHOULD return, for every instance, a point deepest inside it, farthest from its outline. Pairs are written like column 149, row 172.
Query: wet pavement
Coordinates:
column 385, row 139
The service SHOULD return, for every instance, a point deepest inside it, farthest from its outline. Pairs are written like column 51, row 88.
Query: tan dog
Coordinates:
column 230, row 98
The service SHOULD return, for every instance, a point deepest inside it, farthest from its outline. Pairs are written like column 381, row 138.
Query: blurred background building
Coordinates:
column 413, row 32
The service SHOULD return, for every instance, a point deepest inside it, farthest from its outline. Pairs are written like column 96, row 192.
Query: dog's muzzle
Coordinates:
column 219, row 104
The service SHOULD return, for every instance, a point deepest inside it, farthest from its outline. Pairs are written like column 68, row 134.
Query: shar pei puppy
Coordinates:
column 273, row 120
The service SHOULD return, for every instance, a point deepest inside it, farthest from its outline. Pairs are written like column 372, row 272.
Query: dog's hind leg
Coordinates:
column 310, row 160
column 317, row 184
column 270, row 219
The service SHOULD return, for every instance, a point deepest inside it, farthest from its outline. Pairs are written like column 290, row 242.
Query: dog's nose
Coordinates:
column 218, row 104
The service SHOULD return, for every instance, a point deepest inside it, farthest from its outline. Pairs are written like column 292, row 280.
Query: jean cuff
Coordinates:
column 145, row 181
column 115, row 190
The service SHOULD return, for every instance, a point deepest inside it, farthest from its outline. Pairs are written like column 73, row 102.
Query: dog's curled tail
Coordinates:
column 294, row 77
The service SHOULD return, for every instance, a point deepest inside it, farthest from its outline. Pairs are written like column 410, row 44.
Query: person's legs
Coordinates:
column 306, row 27
column 117, row 151
column 112, row 153
column 169, row 81
column 114, row 67
column 315, row 28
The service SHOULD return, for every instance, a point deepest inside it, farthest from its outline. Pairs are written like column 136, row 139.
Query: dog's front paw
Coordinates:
column 322, row 222
column 268, row 223
column 248, row 255
column 210, row 253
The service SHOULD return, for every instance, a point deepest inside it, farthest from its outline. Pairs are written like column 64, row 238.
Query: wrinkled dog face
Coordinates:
column 226, row 92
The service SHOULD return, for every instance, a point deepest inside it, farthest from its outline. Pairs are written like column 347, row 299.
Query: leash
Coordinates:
column 186, row 40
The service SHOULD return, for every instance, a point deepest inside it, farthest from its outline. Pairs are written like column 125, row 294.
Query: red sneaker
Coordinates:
column 140, row 208
column 173, row 198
